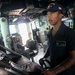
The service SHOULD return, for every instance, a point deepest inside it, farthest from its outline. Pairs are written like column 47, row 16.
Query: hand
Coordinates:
column 49, row 72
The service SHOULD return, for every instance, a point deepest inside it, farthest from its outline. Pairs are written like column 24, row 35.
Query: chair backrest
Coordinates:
column 32, row 44
column 33, row 48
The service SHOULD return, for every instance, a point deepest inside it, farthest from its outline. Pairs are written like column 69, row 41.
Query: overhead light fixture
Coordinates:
column 15, row 19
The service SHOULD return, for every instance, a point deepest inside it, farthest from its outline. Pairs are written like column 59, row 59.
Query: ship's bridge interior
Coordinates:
column 24, row 28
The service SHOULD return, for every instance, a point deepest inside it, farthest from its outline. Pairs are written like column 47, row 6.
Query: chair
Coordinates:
column 33, row 48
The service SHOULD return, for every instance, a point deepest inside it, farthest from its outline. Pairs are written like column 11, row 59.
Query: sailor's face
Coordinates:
column 54, row 17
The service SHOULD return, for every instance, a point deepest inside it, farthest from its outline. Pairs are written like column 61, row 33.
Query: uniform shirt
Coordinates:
column 60, row 45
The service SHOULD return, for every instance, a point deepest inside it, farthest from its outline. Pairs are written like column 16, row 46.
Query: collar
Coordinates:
column 60, row 30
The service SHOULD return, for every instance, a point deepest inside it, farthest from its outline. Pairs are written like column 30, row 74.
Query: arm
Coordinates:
column 64, row 65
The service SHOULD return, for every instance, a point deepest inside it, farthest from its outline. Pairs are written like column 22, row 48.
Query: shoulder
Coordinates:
column 69, row 31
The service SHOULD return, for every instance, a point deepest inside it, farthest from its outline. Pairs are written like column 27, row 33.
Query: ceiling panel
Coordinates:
column 29, row 8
